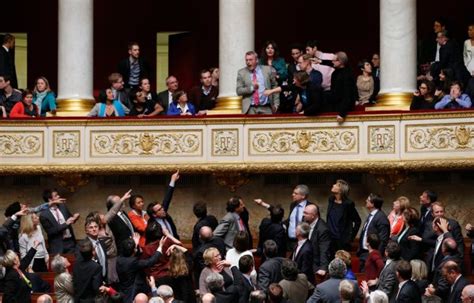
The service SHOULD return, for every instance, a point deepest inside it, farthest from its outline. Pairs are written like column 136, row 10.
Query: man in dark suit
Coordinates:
column 200, row 211
column 435, row 255
column 387, row 280
column 303, row 252
column 100, row 250
column 270, row 270
column 427, row 197
column 450, row 56
column 134, row 67
column 57, row 222
column 7, row 59
column 208, row 240
column 452, row 273
column 166, row 97
column 242, row 279
column 120, row 224
column 87, row 274
column 166, row 293
column 342, row 217
column 320, row 238
column 272, row 229
column 215, row 282
column 159, row 212
column 376, row 223
column 467, row 295
column 408, row 291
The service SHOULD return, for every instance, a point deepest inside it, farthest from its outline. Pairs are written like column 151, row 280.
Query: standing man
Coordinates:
column 134, row 67
column 303, row 252
column 408, row 291
column 165, row 98
column 376, row 223
column 343, row 87
column 255, row 83
column 204, row 96
column 7, row 59
column 100, row 250
column 57, row 222
column 232, row 222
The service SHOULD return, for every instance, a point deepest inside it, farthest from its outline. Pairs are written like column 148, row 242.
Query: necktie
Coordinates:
column 60, row 219
column 22, row 275
column 364, row 234
column 127, row 221
column 256, row 99
column 297, row 217
column 241, row 225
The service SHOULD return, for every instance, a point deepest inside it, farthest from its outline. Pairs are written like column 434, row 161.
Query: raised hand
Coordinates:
column 126, row 195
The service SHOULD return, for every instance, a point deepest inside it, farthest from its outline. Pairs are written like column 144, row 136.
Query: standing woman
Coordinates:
column 342, row 217
column 365, row 83
column 25, row 108
column 395, row 217
column 138, row 217
column 30, row 232
column 270, row 56
column 43, row 97
column 180, row 278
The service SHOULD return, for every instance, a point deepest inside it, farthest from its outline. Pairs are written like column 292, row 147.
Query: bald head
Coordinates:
column 141, row 298
column 449, row 247
column 467, row 295
column 208, row 298
column 311, row 213
column 205, row 233
column 44, row 299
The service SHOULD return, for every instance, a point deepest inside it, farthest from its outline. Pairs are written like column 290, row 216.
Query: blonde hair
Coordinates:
column 9, row 258
column 419, row 270
column 178, row 265
column 26, row 225
column 207, row 255
column 46, row 82
column 404, row 203
column 344, row 256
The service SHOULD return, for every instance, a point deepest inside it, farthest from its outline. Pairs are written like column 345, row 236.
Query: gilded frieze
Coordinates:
column 21, row 144
column 66, row 144
column 381, row 139
column 146, row 143
column 290, row 141
column 444, row 137
column 225, row 142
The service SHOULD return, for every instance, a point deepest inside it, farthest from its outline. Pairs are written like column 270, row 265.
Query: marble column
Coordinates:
column 75, row 57
column 397, row 54
column 236, row 37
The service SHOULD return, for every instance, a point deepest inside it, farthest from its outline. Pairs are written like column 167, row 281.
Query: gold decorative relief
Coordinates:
column 21, row 143
column 444, row 137
column 303, row 140
column 71, row 181
column 146, row 143
column 66, row 144
column 391, row 178
column 381, row 139
column 225, row 142
column 232, row 180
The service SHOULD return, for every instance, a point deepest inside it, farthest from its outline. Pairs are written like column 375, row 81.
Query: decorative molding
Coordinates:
column 225, row 142
column 71, row 181
column 163, row 143
column 439, row 138
column 291, row 141
column 22, row 144
column 381, row 139
column 391, row 178
column 66, row 144
column 232, row 180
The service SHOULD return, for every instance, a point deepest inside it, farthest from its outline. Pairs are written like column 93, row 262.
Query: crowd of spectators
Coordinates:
column 267, row 84
column 138, row 255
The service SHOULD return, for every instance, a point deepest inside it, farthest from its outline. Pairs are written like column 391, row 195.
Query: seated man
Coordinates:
column 456, row 99
column 255, row 84
column 118, row 90
column 8, row 96
column 204, row 96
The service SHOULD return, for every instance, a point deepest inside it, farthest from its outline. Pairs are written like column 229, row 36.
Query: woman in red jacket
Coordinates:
column 25, row 108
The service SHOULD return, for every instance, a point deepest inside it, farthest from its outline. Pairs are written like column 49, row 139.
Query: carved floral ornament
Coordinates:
column 147, row 143
column 443, row 137
column 20, row 144
column 311, row 140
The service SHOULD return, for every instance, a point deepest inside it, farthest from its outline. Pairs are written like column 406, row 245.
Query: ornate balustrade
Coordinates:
column 376, row 143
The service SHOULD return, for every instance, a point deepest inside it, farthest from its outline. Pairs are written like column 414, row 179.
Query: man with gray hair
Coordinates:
column 467, row 295
column 140, row 298
column 208, row 298
column 328, row 291
column 303, row 253
column 166, row 293
column 215, row 283
column 343, row 87
column 256, row 85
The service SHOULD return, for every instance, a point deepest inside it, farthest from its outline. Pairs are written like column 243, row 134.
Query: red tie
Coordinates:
column 256, row 100
column 241, row 225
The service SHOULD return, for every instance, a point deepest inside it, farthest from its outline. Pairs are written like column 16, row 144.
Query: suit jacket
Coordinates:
column 296, row 291
column 227, row 229
column 349, row 222
column 304, row 260
column 455, row 293
column 87, row 278
column 242, row 284
column 314, row 99
column 166, row 205
column 388, row 280
column 163, row 100
column 343, row 90
column 124, row 69
column 321, row 242
column 120, row 230
column 272, row 231
column 409, row 249
column 292, row 206
column 7, row 66
column 438, row 257
column 229, row 295
column 269, row 272
column 439, row 281
column 15, row 288
column 378, row 225
column 54, row 230
column 246, row 90
column 429, row 238
column 328, row 292
column 409, row 293
column 208, row 220
column 130, row 273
